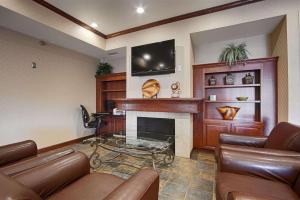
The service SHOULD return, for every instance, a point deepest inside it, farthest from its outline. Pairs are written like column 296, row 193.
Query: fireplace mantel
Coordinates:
column 176, row 105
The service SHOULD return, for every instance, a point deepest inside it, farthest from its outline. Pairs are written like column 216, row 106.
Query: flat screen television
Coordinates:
column 153, row 59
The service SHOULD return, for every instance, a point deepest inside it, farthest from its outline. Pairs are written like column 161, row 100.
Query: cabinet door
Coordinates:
column 247, row 129
column 212, row 131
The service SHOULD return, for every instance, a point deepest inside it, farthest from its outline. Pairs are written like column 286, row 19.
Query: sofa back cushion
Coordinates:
column 284, row 136
column 10, row 189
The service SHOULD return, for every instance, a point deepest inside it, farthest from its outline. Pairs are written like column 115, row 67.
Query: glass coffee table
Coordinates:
column 157, row 151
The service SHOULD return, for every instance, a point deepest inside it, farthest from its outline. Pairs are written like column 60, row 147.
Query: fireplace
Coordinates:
column 155, row 128
column 183, row 128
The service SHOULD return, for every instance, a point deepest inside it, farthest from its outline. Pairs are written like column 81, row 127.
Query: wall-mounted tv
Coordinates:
column 153, row 59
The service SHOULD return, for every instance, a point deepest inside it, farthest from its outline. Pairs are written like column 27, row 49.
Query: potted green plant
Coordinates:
column 232, row 54
column 103, row 68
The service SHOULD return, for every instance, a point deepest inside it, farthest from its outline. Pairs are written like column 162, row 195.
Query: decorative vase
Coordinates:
column 229, row 79
column 212, row 81
column 228, row 112
column 248, row 79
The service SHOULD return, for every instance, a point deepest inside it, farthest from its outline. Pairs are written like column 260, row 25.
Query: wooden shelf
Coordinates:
column 231, row 86
column 123, row 90
column 176, row 105
column 232, row 101
column 231, row 121
column 110, row 87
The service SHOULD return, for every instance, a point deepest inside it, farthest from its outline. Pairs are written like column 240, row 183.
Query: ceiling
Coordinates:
column 249, row 29
column 24, row 25
column 116, row 15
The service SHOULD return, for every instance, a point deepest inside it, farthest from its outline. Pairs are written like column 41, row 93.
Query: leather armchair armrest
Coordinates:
column 274, row 152
column 253, row 141
column 248, row 196
column 142, row 186
column 17, row 151
column 278, row 168
column 55, row 175
column 27, row 164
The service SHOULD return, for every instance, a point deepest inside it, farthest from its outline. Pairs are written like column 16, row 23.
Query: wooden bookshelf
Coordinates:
column 256, row 116
column 109, row 88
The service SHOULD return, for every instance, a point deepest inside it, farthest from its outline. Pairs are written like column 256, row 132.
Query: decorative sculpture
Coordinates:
column 175, row 87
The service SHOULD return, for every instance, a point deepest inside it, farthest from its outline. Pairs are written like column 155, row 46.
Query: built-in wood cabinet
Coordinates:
column 257, row 115
column 109, row 89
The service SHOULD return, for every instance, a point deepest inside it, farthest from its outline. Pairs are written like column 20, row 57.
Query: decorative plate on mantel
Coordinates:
column 150, row 88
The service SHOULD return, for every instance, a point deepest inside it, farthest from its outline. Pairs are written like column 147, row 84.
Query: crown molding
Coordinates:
column 69, row 17
column 149, row 25
column 185, row 16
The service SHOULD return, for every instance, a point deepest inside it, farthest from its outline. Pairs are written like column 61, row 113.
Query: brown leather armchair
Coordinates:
column 257, row 176
column 283, row 139
column 18, row 157
column 69, row 177
column 260, row 168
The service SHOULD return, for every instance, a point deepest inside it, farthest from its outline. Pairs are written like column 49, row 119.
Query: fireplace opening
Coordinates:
column 156, row 128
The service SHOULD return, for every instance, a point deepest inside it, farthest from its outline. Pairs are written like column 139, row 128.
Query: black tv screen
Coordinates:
column 153, row 59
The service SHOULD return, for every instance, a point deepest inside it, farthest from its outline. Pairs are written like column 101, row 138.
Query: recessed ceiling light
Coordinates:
column 94, row 25
column 140, row 10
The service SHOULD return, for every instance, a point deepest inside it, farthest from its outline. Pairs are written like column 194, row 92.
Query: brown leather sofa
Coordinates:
column 18, row 157
column 69, row 177
column 260, row 168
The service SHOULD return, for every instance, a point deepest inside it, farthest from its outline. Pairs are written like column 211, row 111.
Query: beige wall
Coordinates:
column 258, row 46
column 180, row 31
column 42, row 104
column 118, row 64
column 279, row 48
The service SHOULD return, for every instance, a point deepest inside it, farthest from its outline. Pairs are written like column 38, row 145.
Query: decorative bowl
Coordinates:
column 150, row 88
column 242, row 98
column 228, row 112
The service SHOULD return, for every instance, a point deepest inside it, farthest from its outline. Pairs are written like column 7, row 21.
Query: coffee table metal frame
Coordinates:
column 120, row 147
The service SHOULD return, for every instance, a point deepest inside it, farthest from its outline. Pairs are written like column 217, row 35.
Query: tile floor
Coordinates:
column 184, row 179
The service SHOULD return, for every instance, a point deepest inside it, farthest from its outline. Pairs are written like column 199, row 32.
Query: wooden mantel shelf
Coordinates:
column 176, row 105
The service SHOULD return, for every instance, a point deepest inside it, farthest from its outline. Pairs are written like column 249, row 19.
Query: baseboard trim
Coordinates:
column 63, row 144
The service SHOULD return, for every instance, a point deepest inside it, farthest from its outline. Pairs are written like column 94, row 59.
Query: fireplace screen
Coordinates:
column 155, row 128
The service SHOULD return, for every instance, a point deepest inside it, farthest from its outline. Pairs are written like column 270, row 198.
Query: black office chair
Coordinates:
column 93, row 120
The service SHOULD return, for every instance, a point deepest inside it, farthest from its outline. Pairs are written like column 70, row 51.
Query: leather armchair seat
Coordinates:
column 69, row 177
column 232, row 186
column 257, row 176
column 260, row 168
column 19, row 157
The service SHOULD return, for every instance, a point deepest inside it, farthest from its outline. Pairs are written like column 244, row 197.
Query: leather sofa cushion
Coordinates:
column 94, row 186
column 229, row 182
column 17, row 151
column 26, row 164
column 55, row 175
column 12, row 190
